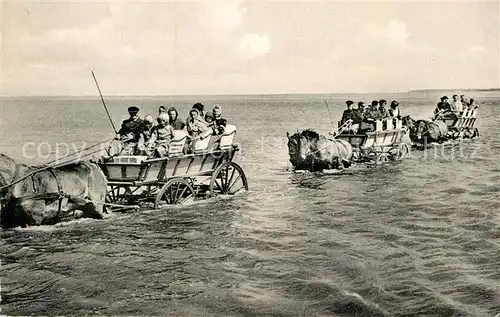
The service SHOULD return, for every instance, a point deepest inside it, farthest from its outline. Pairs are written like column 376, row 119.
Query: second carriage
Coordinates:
column 377, row 142
column 460, row 126
column 179, row 178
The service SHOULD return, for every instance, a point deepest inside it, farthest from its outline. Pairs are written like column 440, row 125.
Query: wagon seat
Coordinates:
column 215, row 142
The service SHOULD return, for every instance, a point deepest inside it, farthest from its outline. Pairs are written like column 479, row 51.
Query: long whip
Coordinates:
column 330, row 114
column 103, row 103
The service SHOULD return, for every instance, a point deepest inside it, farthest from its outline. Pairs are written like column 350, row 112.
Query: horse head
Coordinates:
column 301, row 145
column 421, row 129
column 7, row 172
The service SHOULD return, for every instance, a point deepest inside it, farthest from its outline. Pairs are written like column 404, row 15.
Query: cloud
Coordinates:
column 253, row 45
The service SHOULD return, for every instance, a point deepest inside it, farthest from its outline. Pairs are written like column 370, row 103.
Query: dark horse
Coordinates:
column 422, row 131
column 310, row 151
column 39, row 195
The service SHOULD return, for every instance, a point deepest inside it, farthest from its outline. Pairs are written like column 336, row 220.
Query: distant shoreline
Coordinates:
column 416, row 93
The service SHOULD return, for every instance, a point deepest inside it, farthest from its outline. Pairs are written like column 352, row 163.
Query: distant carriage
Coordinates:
column 461, row 126
column 379, row 145
column 206, row 172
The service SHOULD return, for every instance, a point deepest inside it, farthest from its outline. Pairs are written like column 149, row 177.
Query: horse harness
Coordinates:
column 59, row 195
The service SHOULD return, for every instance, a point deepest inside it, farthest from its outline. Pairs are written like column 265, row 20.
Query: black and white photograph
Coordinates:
column 250, row 158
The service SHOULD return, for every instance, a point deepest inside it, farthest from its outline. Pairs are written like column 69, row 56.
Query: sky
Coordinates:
column 247, row 47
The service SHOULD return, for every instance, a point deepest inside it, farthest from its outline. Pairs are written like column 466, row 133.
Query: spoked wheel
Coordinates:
column 119, row 194
column 382, row 158
column 403, row 151
column 176, row 191
column 228, row 179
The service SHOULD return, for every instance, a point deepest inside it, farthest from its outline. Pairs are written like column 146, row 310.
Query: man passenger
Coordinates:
column 456, row 105
column 348, row 114
column 382, row 112
column 130, row 130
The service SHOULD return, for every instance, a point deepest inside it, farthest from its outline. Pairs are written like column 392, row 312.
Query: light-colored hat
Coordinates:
column 149, row 118
column 163, row 117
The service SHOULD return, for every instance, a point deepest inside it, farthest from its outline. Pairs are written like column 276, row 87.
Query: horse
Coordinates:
column 310, row 151
column 37, row 195
column 422, row 131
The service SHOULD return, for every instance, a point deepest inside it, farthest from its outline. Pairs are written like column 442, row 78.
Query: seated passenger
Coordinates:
column 382, row 112
column 372, row 112
column 173, row 120
column 145, row 135
column 442, row 107
column 219, row 122
column 194, row 125
column 464, row 102
column 201, row 109
column 161, row 136
column 128, row 135
column 456, row 105
column 161, row 110
column 360, row 112
column 348, row 114
column 394, row 110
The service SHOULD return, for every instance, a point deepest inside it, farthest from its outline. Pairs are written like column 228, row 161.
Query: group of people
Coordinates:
column 456, row 106
column 146, row 137
column 369, row 113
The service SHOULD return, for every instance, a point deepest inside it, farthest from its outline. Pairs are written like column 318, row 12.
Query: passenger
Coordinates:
column 472, row 104
column 161, row 110
column 394, row 110
column 161, row 136
column 360, row 112
column 201, row 109
column 464, row 102
column 145, row 135
column 442, row 106
column 349, row 114
column 372, row 112
column 456, row 105
column 382, row 112
column 130, row 131
column 219, row 122
column 194, row 125
column 174, row 119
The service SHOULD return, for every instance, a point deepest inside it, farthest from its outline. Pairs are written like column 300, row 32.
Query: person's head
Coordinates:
column 149, row 121
column 209, row 117
column 217, row 111
column 162, row 119
column 162, row 109
column 471, row 101
column 444, row 99
column 374, row 104
column 361, row 105
column 394, row 104
column 194, row 113
column 172, row 114
column 199, row 106
column 462, row 97
column 133, row 111
column 455, row 97
column 382, row 103
column 349, row 104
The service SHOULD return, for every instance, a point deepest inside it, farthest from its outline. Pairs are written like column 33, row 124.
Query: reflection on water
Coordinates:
column 417, row 237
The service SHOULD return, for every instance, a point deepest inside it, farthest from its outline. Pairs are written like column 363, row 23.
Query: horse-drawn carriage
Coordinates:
column 376, row 142
column 460, row 126
column 179, row 177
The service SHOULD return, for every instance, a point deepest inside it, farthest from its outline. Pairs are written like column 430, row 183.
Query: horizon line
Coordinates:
column 256, row 94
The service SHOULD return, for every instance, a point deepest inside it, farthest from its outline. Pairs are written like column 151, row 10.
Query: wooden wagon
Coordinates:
column 206, row 172
column 380, row 145
column 460, row 126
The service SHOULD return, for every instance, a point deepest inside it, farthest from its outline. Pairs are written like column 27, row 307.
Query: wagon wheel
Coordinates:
column 175, row 192
column 476, row 133
column 402, row 151
column 382, row 158
column 117, row 194
column 228, row 179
